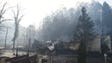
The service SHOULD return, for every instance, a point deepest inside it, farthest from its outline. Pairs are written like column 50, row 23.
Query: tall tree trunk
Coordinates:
column 15, row 37
column 17, row 19
column 29, row 44
column 14, row 47
column 111, row 42
column 82, row 52
column 6, row 37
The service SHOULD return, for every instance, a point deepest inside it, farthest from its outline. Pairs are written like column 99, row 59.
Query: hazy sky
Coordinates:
column 35, row 10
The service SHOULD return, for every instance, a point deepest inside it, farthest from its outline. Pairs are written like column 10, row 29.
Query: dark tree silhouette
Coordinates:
column 83, row 34
column 107, row 21
column 60, row 25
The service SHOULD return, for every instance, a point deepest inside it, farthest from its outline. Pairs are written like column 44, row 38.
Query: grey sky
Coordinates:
column 36, row 10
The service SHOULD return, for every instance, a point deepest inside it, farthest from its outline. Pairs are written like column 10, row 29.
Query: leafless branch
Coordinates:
column 20, row 18
column 5, row 20
column 3, row 9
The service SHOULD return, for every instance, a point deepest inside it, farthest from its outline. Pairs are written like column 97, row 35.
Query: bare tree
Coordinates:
column 3, row 10
column 17, row 19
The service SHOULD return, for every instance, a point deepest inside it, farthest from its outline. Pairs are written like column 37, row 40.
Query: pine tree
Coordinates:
column 106, row 23
column 83, row 34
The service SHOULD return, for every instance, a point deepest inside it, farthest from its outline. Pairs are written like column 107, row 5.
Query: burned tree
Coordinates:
column 17, row 19
column 3, row 9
